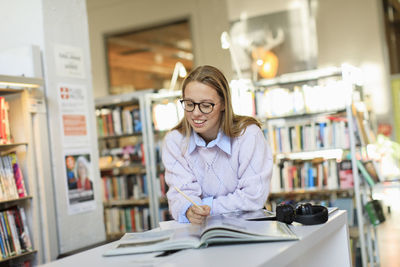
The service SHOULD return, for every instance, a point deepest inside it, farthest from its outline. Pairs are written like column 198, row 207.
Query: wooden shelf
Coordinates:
column 126, row 202
column 119, row 136
column 301, row 192
column 19, row 255
column 8, row 146
column 130, row 169
column 7, row 91
column 15, row 200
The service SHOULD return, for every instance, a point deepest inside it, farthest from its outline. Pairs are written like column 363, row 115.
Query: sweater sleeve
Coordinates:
column 254, row 174
column 179, row 174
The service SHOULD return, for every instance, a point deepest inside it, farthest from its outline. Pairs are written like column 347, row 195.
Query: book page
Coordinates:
column 225, row 229
column 152, row 241
column 251, row 215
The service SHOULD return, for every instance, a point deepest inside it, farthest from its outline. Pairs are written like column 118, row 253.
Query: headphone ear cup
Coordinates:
column 285, row 213
column 304, row 209
column 319, row 214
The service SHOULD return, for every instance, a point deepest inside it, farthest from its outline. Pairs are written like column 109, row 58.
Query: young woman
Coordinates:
column 219, row 159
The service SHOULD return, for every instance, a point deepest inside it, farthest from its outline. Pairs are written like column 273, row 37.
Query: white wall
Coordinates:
column 352, row 32
column 208, row 20
column 65, row 23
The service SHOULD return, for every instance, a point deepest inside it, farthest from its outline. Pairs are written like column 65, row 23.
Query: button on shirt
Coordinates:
column 227, row 174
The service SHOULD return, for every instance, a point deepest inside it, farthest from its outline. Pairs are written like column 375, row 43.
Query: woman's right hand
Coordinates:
column 196, row 215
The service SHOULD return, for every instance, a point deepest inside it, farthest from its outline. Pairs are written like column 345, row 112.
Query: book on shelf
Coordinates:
column 14, row 235
column 218, row 229
column 375, row 212
column 11, row 180
column 326, row 132
column 317, row 173
column 118, row 120
column 18, row 176
column 124, row 187
column 345, row 172
column 127, row 219
column 5, row 134
column 365, row 174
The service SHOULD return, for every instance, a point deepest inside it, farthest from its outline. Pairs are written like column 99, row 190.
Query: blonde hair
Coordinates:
column 231, row 124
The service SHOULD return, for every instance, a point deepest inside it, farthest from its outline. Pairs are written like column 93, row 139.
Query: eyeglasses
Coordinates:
column 204, row 107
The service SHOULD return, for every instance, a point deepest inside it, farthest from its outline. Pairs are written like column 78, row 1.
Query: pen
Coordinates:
column 188, row 198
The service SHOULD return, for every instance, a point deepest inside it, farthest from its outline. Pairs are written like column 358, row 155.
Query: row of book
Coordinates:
column 122, row 156
column 14, row 234
column 318, row 173
column 332, row 132
column 124, row 187
column 279, row 101
column 12, row 184
column 118, row 120
column 5, row 133
column 122, row 220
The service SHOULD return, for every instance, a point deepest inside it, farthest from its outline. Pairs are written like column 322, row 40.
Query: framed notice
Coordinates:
column 74, row 115
column 79, row 181
column 69, row 61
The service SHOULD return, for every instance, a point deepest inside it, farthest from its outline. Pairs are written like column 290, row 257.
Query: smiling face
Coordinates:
column 206, row 125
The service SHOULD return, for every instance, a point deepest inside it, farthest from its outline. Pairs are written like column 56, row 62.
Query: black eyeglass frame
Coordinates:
column 198, row 104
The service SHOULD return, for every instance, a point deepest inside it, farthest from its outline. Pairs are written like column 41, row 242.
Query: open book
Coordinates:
column 218, row 229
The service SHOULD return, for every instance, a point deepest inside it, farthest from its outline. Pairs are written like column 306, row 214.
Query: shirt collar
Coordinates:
column 222, row 141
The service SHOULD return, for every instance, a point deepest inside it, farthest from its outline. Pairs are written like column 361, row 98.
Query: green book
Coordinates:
column 365, row 173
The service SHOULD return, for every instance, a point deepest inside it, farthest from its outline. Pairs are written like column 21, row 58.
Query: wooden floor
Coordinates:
column 389, row 231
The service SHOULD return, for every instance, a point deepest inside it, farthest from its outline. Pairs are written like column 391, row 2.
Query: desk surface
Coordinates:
column 310, row 249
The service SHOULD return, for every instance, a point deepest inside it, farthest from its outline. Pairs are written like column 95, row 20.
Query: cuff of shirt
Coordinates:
column 208, row 201
column 182, row 216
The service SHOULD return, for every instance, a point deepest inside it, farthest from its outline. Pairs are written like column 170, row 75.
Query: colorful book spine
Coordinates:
column 18, row 176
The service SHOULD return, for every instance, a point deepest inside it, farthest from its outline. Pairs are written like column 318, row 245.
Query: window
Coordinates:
column 146, row 58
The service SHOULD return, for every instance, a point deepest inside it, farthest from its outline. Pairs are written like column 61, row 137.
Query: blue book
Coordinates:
column 3, row 252
column 145, row 192
column 310, row 175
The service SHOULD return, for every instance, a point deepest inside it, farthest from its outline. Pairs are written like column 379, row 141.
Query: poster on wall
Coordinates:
column 74, row 115
column 79, row 182
column 69, row 61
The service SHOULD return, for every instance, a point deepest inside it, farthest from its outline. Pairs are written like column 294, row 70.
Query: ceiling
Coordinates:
column 146, row 58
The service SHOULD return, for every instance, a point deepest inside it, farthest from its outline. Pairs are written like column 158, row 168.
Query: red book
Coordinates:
column 2, row 131
column 18, row 177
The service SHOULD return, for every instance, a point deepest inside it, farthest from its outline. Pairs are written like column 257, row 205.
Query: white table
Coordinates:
column 319, row 245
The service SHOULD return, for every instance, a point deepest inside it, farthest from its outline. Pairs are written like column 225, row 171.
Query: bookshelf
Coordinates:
column 318, row 135
column 163, row 112
column 20, row 237
column 123, row 164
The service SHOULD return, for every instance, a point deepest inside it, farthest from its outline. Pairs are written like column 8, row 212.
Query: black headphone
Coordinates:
column 304, row 213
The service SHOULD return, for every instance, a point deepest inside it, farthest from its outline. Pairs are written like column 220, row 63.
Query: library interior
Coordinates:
column 91, row 89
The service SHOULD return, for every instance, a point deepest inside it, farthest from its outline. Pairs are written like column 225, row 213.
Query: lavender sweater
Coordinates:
column 228, row 174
